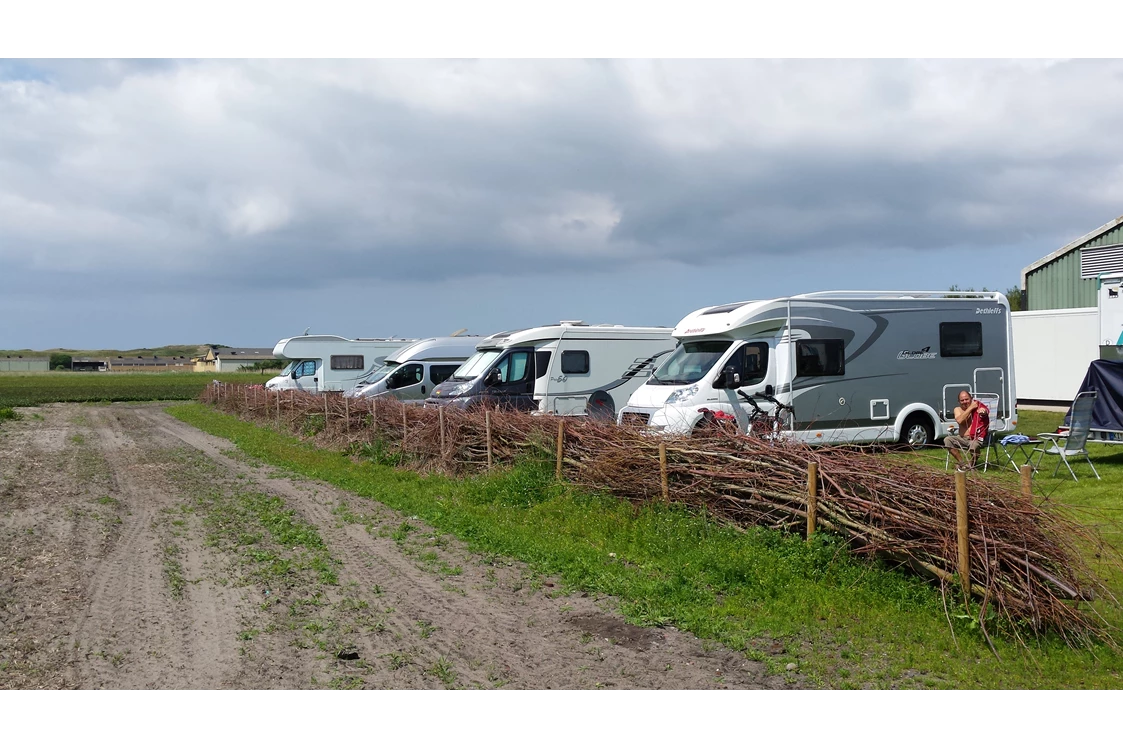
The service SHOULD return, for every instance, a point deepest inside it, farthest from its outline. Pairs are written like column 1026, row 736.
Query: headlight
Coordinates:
column 681, row 395
column 458, row 390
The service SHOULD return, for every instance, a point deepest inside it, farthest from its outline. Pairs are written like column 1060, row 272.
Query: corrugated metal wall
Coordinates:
column 1058, row 284
column 23, row 364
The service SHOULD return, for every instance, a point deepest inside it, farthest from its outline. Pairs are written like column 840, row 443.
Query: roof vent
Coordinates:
column 572, row 322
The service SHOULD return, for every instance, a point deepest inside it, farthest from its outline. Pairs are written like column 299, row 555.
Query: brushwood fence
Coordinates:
column 1021, row 563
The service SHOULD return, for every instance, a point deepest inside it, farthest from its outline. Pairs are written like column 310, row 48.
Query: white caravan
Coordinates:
column 328, row 363
column 568, row 369
column 411, row 372
column 854, row 366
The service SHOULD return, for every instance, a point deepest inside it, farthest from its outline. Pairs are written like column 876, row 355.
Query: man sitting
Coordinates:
column 973, row 419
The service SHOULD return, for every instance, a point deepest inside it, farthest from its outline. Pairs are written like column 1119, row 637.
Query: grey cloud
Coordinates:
column 291, row 174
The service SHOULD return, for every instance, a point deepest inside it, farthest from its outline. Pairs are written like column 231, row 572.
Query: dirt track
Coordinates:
column 114, row 574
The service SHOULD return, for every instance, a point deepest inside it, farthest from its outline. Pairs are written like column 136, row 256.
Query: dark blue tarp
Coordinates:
column 1105, row 378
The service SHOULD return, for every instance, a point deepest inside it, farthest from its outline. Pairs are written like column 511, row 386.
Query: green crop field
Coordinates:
column 19, row 389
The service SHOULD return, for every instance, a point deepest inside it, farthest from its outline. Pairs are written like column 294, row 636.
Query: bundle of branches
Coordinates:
column 1026, row 566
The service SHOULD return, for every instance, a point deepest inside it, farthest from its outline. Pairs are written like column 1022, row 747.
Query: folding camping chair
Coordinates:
column 1075, row 440
column 990, row 400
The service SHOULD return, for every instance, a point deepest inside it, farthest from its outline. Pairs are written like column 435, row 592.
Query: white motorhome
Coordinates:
column 411, row 372
column 328, row 363
column 854, row 366
column 570, row 368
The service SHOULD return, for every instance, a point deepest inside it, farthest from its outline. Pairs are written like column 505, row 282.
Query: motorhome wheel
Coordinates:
column 601, row 406
column 917, row 431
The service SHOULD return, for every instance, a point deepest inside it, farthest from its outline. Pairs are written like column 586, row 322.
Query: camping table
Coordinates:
column 1011, row 451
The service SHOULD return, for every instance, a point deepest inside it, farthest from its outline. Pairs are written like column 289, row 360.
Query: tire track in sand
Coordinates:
column 134, row 634
column 487, row 631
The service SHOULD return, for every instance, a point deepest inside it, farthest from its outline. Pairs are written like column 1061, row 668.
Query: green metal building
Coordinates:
column 1066, row 279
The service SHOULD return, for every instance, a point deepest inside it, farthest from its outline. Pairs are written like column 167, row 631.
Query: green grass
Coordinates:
column 27, row 389
column 7, row 414
column 847, row 623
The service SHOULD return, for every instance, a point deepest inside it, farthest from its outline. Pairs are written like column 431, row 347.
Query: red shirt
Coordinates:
column 980, row 423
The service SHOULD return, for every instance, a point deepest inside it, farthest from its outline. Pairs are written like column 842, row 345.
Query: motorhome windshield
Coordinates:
column 288, row 369
column 377, row 373
column 475, row 366
column 690, row 362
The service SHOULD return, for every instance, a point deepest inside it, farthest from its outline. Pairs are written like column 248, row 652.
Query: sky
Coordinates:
column 235, row 201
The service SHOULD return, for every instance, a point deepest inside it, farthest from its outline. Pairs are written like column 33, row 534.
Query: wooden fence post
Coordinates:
column 812, row 497
column 405, row 426
column 325, row 411
column 561, row 447
column 441, row 426
column 347, row 415
column 278, row 409
column 1027, row 479
column 961, row 525
column 663, row 472
column 487, row 434
column 374, row 415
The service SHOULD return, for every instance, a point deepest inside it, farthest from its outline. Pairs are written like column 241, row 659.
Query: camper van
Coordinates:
column 328, row 363
column 848, row 366
column 411, row 372
column 570, row 368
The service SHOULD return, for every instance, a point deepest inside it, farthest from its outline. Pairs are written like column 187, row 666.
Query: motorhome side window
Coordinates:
column 820, row 358
column 513, row 367
column 305, row 369
column 751, row 362
column 405, row 376
column 541, row 363
column 575, row 362
column 440, row 372
column 961, row 339
column 344, row 363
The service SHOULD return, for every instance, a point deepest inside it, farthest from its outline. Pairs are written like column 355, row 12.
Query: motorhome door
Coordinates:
column 304, row 376
column 746, row 370
column 513, row 386
column 407, row 382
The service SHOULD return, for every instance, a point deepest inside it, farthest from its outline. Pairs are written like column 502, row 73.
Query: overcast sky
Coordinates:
column 152, row 203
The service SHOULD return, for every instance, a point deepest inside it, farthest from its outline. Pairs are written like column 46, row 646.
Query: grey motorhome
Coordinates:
column 854, row 366
column 570, row 368
column 411, row 372
column 328, row 363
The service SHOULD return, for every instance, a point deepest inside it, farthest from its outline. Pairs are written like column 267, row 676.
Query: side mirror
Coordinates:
column 729, row 379
column 492, row 377
column 768, row 390
column 294, row 374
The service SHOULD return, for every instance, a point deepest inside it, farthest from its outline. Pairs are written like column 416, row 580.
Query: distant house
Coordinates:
column 221, row 360
column 19, row 363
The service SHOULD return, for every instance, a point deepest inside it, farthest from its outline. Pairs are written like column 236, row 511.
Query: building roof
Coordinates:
column 145, row 360
column 1074, row 244
column 244, row 353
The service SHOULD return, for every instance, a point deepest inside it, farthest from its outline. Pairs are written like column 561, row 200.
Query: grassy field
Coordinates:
column 33, row 388
column 846, row 623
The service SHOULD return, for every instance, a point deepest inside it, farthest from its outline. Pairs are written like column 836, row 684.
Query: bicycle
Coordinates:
column 764, row 424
